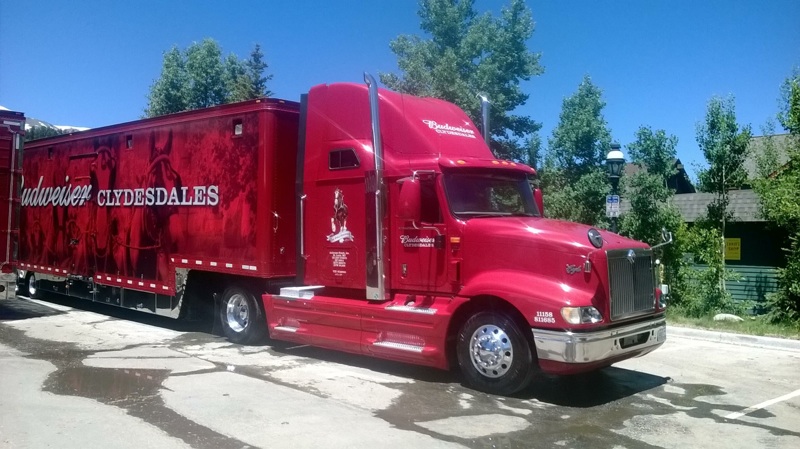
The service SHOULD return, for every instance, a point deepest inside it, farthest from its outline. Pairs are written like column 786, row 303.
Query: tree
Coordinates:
column 650, row 197
column 168, row 94
column 789, row 116
column 248, row 79
column 470, row 54
column 206, row 75
column 200, row 77
column 573, row 177
column 654, row 153
column 41, row 132
column 725, row 145
column 781, row 206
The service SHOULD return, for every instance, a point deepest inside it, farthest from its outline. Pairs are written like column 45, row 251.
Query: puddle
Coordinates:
column 106, row 385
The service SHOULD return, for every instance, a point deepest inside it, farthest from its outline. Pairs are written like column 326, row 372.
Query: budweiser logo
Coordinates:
column 449, row 129
column 78, row 195
column 67, row 195
column 417, row 242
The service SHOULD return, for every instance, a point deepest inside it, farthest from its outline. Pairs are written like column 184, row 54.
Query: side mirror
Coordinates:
column 410, row 200
column 537, row 197
column 666, row 238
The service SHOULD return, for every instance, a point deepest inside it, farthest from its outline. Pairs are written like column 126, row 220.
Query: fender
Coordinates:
column 538, row 298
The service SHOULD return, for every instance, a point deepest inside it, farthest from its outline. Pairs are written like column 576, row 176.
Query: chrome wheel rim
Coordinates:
column 491, row 351
column 237, row 313
column 32, row 285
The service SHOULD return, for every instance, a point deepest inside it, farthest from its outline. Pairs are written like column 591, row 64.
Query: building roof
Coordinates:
column 744, row 204
column 756, row 149
column 678, row 181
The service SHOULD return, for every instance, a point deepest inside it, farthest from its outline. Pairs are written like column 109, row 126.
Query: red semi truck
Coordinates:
column 360, row 220
column 12, row 131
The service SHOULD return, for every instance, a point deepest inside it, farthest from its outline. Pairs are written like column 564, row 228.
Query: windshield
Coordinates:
column 489, row 194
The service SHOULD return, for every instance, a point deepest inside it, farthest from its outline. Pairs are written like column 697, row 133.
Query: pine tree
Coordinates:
column 200, row 77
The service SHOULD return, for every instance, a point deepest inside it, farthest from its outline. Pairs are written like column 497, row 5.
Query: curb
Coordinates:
column 783, row 344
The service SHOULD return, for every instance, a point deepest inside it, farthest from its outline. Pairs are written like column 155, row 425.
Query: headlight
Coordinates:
column 595, row 238
column 581, row 315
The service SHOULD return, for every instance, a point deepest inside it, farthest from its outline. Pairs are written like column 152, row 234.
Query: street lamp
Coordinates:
column 614, row 161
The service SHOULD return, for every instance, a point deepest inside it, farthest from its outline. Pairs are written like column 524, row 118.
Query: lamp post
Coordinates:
column 615, row 160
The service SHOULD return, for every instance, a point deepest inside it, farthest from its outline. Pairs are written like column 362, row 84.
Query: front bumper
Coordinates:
column 597, row 348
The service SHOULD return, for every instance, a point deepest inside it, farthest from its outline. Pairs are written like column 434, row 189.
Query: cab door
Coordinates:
column 419, row 257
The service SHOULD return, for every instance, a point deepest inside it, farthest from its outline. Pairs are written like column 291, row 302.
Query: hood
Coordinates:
column 542, row 233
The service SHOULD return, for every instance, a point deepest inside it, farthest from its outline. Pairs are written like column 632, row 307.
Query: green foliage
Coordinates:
column 724, row 145
column 206, row 75
column 789, row 115
column 248, row 80
column 573, row 177
column 40, row 132
column 469, row 54
column 199, row 77
column 767, row 160
column 706, row 294
column 169, row 93
column 780, row 204
column 784, row 304
column 651, row 211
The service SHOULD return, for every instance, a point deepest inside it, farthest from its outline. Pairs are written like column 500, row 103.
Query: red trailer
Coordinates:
column 360, row 220
column 12, row 131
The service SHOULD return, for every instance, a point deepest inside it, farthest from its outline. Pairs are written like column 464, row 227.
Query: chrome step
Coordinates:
column 301, row 292
column 399, row 346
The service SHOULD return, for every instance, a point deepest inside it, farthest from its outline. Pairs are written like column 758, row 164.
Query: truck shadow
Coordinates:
column 591, row 389
column 107, row 310
column 22, row 309
column 579, row 391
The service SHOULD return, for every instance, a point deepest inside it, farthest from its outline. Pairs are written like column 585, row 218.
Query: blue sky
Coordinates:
column 90, row 63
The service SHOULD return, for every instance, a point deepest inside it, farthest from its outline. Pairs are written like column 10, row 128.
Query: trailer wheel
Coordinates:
column 242, row 317
column 33, row 290
column 494, row 355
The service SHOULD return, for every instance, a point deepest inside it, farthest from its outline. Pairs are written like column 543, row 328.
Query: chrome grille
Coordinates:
column 631, row 281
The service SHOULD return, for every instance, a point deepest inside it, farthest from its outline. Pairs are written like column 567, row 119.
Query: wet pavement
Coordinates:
column 101, row 376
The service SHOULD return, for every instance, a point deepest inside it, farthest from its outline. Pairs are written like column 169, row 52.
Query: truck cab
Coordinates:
column 416, row 244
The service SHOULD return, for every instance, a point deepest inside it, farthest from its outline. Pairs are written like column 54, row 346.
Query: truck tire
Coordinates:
column 32, row 289
column 494, row 355
column 242, row 317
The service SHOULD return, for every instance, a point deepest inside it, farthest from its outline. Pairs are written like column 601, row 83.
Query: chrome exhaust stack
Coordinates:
column 485, row 118
column 375, row 191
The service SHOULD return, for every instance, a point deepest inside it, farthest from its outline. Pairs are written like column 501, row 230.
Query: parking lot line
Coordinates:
column 764, row 404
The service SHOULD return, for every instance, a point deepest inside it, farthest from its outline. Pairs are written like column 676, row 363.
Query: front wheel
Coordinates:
column 494, row 355
column 243, row 319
